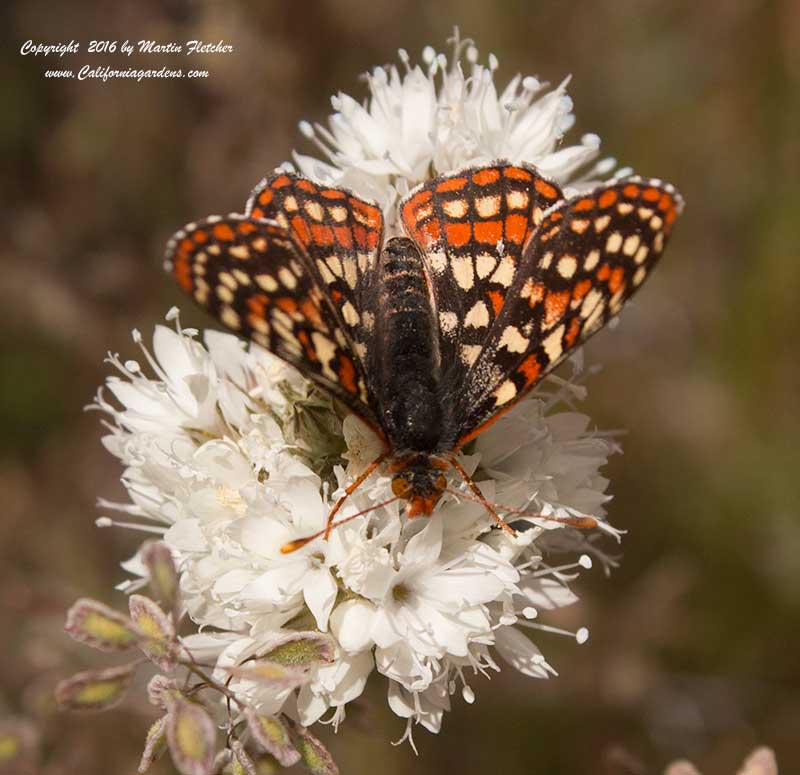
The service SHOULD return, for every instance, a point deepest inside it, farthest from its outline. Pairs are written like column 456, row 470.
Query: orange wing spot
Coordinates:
column 301, row 229
column 545, row 189
column 372, row 240
column 245, row 227
column 370, row 214
column 554, row 217
column 651, row 194
column 257, row 212
column 337, row 295
column 555, row 305
column 310, row 311
column 280, row 182
column 530, row 368
column 265, row 197
column 183, row 274
column 581, row 289
column 200, row 236
column 485, row 231
column 303, row 338
column 516, row 228
column 307, row 185
column 360, row 236
column 631, row 191
column 321, row 234
column 343, row 236
column 333, row 193
column 186, row 246
column 616, row 280
column 583, row 204
column 665, row 202
column 430, row 232
column 607, row 198
column 670, row 217
column 286, row 303
column 573, row 331
column 486, row 176
column 347, row 374
column 453, row 184
column 515, row 173
column 604, row 272
column 496, row 298
column 257, row 303
column 223, row 232
column 458, row 234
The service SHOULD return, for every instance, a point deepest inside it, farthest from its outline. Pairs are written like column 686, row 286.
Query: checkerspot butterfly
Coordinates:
column 430, row 337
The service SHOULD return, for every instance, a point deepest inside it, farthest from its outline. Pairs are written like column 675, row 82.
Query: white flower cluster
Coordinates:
column 230, row 454
column 427, row 122
column 223, row 448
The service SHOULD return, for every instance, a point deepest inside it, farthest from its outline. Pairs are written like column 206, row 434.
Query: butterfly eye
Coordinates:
column 401, row 487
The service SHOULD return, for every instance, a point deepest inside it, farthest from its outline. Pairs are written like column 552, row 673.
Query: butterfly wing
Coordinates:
column 587, row 257
column 252, row 275
column 340, row 234
column 471, row 226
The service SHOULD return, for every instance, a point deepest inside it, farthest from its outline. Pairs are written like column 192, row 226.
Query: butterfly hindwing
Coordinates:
column 472, row 226
column 587, row 257
column 253, row 277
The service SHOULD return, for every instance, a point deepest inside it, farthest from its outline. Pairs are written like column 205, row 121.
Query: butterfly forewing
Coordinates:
column 253, row 276
column 471, row 226
column 587, row 257
column 341, row 235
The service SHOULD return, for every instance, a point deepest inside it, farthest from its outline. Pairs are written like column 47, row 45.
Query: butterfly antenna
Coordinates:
column 480, row 497
column 582, row 523
column 293, row 546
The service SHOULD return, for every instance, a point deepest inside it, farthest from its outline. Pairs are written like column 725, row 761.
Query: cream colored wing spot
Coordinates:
column 225, row 294
column 552, row 344
column 487, row 206
column 601, row 223
column 287, row 278
column 504, row 274
column 478, row 316
column 579, row 225
column 505, row 393
column 484, row 264
column 567, row 266
column 513, row 341
column 641, row 254
column 630, row 244
column 266, row 282
column 614, row 242
column 350, row 315
column 448, row 322
column 228, row 279
column 470, row 353
column 339, row 214
column 462, row 271
column 456, row 208
column 517, row 200
column 242, row 252
column 591, row 260
column 230, row 317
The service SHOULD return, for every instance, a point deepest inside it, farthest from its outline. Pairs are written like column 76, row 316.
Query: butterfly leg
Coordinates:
column 351, row 488
column 474, row 487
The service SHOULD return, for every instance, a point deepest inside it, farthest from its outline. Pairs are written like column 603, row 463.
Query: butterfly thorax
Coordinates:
column 408, row 371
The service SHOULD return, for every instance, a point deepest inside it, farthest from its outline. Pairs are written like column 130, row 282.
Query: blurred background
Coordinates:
column 694, row 638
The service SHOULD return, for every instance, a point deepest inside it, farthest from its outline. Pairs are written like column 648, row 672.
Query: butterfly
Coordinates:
column 432, row 336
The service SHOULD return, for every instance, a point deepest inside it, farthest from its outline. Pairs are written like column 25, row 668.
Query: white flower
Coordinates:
column 216, row 461
column 422, row 602
column 444, row 114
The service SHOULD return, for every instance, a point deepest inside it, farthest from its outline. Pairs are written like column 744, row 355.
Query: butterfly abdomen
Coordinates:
column 408, row 367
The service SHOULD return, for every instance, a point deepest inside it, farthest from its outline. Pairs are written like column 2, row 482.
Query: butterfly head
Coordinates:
column 420, row 480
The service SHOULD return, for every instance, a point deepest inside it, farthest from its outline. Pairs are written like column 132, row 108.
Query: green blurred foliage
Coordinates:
column 693, row 649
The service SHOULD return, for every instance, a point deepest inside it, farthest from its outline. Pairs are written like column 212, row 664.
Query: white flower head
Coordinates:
column 428, row 119
column 219, row 461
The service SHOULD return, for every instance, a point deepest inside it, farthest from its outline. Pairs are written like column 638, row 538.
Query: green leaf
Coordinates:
column 301, row 650
column 315, row 756
column 95, row 689
column 273, row 736
column 158, row 643
column 191, row 736
column 97, row 625
column 163, row 574
column 154, row 745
